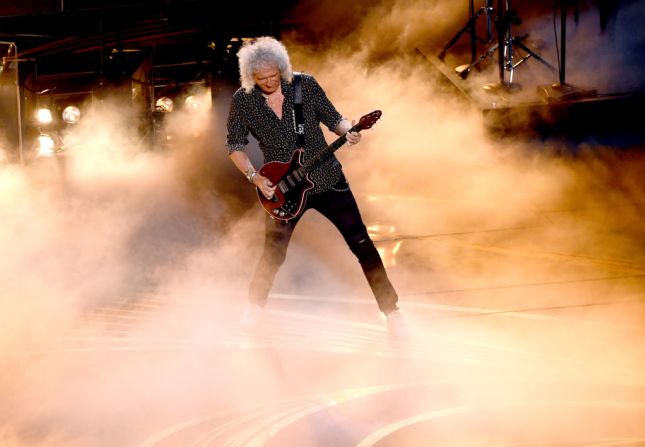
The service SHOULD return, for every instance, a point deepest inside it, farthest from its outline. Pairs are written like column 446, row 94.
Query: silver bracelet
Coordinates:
column 250, row 173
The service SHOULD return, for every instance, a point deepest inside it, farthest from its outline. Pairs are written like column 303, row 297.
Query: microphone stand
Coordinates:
column 506, row 46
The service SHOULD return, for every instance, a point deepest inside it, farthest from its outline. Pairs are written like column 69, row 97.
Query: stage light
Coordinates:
column 44, row 116
column 164, row 104
column 192, row 102
column 201, row 101
column 45, row 147
column 71, row 114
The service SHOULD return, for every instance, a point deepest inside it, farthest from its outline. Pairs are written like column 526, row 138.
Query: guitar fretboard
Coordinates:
column 323, row 155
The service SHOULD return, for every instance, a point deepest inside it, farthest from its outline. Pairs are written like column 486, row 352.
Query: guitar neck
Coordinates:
column 324, row 154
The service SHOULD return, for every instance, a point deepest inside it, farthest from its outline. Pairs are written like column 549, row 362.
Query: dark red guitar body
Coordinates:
column 292, row 187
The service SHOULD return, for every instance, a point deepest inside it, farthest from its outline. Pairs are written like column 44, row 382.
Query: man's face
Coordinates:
column 267, row 78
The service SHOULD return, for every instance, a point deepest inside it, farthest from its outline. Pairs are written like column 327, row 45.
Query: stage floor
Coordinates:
column 515, row 342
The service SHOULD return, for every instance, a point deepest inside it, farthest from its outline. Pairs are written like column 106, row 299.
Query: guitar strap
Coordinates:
column 298, row 115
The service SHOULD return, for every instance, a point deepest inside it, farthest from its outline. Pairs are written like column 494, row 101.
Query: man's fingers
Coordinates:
column 268, row 189
column 353, row 137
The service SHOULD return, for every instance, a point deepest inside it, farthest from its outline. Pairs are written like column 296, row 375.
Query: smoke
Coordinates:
column 125, row 269
column 432, row 149
column 107, row 223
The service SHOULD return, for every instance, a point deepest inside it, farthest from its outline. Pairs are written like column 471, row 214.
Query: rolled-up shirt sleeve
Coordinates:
column 238, row 131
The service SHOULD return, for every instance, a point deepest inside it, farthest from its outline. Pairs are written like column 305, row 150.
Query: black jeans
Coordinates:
column 339, row 206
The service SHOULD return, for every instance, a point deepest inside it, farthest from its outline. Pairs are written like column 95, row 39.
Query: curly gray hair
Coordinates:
column 260, row 53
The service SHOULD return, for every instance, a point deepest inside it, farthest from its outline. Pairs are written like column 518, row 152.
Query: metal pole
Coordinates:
column 18, row 101
column 473, row 31
column 489, row 13
column 19, row 104
column 563, row 37
column 501, row 36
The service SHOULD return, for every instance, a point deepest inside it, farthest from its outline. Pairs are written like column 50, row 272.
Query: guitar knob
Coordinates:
column 282, row 213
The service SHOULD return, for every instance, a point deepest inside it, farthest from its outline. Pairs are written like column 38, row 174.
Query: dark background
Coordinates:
column 143, row 49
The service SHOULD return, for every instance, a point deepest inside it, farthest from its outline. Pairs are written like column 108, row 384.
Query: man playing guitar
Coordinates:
column 264, row 106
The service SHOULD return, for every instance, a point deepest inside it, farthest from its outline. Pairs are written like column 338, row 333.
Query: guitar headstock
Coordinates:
column 367, row 121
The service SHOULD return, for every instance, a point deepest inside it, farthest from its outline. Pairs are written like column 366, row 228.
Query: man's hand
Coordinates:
column 264, row 185
column 353, row 137
column 343, row 129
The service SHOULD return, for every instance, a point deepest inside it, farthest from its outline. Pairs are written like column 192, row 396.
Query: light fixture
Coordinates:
column 45, row 147
column 71, row 114
column 164, row 104
column 44, row 116
column 200, row 101
column 192, row 102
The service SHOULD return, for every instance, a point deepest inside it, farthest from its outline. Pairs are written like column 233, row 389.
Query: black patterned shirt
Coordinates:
column 250, row 113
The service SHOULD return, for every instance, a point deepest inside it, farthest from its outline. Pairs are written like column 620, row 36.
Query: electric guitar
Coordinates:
column 292, row 178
